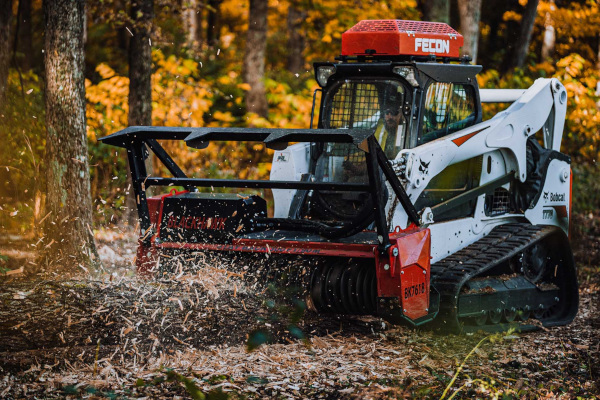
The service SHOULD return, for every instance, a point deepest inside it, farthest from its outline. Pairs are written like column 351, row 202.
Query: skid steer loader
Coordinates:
column 402, row 201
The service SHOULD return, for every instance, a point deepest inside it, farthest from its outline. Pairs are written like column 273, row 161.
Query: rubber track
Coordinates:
column 450, row 274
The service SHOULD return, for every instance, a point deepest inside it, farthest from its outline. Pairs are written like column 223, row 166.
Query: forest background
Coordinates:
column 203, row 75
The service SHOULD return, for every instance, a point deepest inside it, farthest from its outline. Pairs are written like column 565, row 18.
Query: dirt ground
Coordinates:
column 111, row 334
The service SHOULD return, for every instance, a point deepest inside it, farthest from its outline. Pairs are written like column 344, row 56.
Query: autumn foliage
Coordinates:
column 200, row 84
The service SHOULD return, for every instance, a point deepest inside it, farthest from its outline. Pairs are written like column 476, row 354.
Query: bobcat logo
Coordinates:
column 424, row 167
column 282, row 157
column 545, row 195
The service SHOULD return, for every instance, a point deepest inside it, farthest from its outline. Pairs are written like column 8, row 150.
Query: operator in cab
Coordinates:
column 391, row 127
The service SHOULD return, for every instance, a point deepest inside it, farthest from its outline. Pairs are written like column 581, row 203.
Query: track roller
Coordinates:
column 523, row 314
column 495, row 316
column 479, row 320
column 509, row 315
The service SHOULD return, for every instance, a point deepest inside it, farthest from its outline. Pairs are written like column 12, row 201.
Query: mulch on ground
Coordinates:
column 115, row 335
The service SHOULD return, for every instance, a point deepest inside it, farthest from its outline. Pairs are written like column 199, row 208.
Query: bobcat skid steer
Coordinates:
column 402, row 202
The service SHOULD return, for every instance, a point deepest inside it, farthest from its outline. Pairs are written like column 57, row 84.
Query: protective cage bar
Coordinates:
column 135, row 139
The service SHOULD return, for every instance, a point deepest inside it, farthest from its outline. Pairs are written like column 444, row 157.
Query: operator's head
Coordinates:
column 392, row 104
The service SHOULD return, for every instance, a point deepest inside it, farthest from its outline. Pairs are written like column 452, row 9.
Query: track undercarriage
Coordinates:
column 519, row 276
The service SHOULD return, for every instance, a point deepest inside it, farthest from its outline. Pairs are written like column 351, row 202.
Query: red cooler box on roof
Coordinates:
column 397, row 37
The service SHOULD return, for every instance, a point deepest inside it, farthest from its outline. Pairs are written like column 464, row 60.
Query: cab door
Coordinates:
column 448, row 108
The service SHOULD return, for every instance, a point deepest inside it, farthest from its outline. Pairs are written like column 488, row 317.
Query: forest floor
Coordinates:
column 111, row 334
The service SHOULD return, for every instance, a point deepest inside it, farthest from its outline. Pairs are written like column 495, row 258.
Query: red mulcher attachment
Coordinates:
column 395, row 284
column 195, row 222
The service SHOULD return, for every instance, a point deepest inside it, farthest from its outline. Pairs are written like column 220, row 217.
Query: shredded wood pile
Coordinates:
column 117, row 336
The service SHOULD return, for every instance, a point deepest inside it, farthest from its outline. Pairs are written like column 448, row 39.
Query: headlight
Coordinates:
column 323, row 73
column 407, row 73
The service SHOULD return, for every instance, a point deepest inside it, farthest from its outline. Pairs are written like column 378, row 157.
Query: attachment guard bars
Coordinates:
column 135, row 139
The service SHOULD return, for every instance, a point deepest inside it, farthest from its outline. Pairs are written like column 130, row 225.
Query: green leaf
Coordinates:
column 70, row 389
column 256, row 379
column 256, row 338
column 217, row 394
column 296, row 332
column 111, row 395
column 218, row 378
column 193, row 390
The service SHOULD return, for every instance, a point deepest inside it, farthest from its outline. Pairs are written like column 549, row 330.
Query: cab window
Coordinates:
column 448, row 108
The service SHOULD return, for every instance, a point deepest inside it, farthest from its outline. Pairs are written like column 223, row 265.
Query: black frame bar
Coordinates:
column 396, row 185
column 377, row 194
column 135, row 154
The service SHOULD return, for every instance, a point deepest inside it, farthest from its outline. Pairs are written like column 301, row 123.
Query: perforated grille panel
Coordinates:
column 352, row 105
column 373, row 104
column 425, row 27
column 375, row 26
column 395, row 25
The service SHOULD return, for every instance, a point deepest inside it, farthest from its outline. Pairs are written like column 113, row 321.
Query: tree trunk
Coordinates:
column 68, row 229
column 5, row 24
column 295, row 62
column 25, row 35
column 191, row 23
column 470, row 14
column 213, row 25
column 254, row 57
column 140, row 64
column 436, row 10
column 549, row 35
column 140, row 85
column 522, row 43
